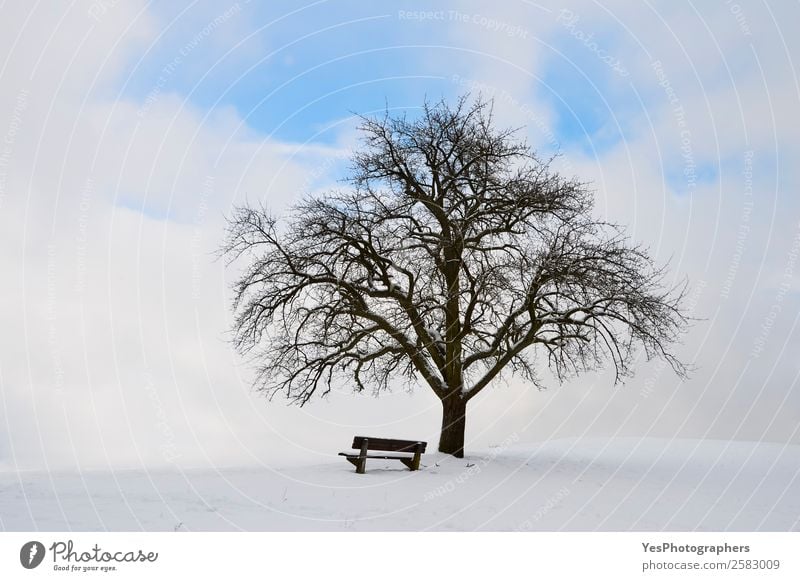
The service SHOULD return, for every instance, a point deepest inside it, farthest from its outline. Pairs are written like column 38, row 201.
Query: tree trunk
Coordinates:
column 454, row 421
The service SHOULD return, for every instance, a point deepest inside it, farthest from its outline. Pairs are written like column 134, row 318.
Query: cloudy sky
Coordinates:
column 129, row 129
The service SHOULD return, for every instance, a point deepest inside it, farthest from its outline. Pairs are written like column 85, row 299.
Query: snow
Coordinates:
column 588, row 484
column 578, row 317
column 436, row 336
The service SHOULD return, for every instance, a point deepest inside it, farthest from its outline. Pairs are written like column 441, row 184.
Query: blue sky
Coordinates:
column 290, row 74
column 293, row 72
column 308, row 70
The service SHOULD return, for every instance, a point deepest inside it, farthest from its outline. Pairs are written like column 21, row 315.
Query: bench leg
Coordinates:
column 361, row 467
column 412, row 463
column 415, row 461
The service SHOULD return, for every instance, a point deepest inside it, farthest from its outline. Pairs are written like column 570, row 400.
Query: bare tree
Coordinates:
column 454, row 256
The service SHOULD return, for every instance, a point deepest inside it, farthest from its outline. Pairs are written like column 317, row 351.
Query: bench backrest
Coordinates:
column 389, row 445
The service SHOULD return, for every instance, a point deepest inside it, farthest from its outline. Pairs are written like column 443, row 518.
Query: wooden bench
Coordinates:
column 365, row 445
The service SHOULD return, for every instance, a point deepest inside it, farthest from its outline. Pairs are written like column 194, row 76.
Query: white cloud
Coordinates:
column 113, row 343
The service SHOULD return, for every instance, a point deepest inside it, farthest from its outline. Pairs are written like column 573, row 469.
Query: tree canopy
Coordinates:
column 453, row 255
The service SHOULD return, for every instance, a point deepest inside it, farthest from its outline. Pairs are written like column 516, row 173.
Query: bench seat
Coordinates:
column 374, row 456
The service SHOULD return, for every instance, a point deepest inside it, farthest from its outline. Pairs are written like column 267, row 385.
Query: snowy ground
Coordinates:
column 626, row 484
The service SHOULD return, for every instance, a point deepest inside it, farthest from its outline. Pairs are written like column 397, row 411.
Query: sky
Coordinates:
column 129, row 129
